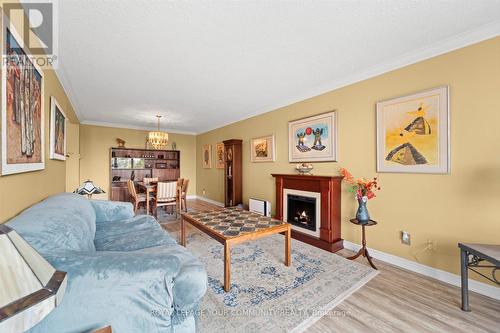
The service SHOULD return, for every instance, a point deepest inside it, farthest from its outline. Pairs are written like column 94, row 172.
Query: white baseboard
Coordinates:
column 438, row 274
column 199, row 197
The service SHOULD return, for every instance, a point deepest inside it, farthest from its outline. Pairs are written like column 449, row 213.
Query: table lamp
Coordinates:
column 88, row 188
column 30, row 288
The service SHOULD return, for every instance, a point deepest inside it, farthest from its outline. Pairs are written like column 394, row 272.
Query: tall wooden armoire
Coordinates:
column 232, row 173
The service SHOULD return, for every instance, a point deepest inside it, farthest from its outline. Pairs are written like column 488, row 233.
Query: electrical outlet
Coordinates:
column 405, row 238
column 204, row 192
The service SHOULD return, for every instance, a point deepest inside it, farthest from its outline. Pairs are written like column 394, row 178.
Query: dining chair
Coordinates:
column 148, row 181
column 183, row 194
column 137, row 198
column 166, row 195
column 180, row 181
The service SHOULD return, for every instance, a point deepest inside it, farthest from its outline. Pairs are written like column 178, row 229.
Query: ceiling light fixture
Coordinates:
column 158, row 139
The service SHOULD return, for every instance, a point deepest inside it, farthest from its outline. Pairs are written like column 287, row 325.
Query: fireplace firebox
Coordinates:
column 302, row 211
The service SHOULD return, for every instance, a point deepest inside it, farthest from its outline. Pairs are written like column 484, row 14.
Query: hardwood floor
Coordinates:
column 398, row 300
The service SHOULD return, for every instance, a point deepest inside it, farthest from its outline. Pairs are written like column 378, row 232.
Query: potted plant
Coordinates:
column 364, row 189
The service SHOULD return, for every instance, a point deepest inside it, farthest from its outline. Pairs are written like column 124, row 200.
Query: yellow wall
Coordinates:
column 73, row 157
column 460, row 207
column 95, row 142
column 20, row 191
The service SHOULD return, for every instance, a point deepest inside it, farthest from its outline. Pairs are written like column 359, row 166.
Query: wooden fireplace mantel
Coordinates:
column 330, row 189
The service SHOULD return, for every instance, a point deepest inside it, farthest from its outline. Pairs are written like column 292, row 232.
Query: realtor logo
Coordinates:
column 34, row 23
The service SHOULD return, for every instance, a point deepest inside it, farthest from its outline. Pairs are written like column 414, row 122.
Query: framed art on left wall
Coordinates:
column 57, row 131
column 22, row 108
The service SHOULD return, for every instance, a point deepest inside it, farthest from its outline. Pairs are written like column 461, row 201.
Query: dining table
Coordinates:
column 149, row 189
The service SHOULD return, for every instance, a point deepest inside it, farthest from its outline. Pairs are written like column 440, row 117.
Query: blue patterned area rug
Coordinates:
column 267, row 296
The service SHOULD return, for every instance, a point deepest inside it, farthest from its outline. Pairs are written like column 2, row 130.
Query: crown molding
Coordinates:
column 63, row 80
column 127, row 126
column 447, row 45
column 450, row 44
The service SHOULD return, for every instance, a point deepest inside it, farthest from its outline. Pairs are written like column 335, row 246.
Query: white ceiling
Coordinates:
column 204, row 64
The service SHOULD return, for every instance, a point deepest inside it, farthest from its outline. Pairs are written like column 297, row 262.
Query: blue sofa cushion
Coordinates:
column 112, row 210
column 121, row 227
column 63, row 222
column 129, row 235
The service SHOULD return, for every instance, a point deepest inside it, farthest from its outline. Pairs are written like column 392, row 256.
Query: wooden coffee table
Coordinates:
column 231, row 226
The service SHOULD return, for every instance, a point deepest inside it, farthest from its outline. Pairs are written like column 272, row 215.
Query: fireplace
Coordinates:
column 302, row 210
column 311, row 204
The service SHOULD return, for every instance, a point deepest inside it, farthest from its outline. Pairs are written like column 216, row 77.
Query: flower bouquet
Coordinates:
column 364, row 189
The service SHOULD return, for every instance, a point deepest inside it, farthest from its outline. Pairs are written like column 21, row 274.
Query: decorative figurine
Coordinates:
column 120, row 142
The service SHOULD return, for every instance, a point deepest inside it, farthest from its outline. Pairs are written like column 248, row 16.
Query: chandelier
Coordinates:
column 158, row 139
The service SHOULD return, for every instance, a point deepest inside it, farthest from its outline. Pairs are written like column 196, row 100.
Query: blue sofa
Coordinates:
column 123, row 270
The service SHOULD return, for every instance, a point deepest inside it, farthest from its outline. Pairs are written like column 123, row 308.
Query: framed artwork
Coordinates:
column 262, row 149
column 207, row 156
column 57, row 131
column 313, row 139
column 23, row 138
column 219, row 155
column 413, row 133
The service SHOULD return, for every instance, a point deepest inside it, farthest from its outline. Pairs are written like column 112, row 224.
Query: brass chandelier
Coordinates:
column 158, row 139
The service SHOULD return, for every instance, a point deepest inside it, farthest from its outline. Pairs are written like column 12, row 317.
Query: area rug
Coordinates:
column 267, row 296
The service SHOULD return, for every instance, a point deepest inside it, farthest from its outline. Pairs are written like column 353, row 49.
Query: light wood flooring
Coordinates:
column 397, row 300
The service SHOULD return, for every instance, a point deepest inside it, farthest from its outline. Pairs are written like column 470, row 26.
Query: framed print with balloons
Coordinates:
column 313, row 139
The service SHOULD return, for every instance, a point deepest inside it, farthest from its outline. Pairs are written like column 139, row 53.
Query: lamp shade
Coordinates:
column 88, row 188
column 158, row 139
column 30, row 288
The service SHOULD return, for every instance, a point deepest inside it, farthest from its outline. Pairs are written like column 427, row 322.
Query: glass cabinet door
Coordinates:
column 121, row 163
column 138, row 163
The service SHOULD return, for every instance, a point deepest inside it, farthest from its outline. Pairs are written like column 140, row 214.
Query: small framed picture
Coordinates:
column 207, row 156
column 57, row 131
column 413, row 134
column 219, row 155
column 313, row 139
column 263, row 149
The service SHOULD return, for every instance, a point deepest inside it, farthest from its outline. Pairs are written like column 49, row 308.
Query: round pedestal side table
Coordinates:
column 363, row 250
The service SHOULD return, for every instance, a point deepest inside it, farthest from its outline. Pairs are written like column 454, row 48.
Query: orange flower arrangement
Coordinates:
column 362, row 187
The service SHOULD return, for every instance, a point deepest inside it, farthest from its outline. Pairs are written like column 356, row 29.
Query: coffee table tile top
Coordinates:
column 232, row 221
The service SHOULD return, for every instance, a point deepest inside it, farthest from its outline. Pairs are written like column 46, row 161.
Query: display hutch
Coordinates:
column 137, row 164
column 232, row 173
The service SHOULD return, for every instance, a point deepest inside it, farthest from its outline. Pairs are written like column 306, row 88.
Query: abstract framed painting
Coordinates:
column 413, row 133
column 219, row 155
column 23, row 138
column 313, row 139
column 207, row 156
column 263, row 149
column 57, row 131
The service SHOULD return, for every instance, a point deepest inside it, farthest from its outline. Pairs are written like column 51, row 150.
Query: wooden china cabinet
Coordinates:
column 137, row 164
column 232, row 173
